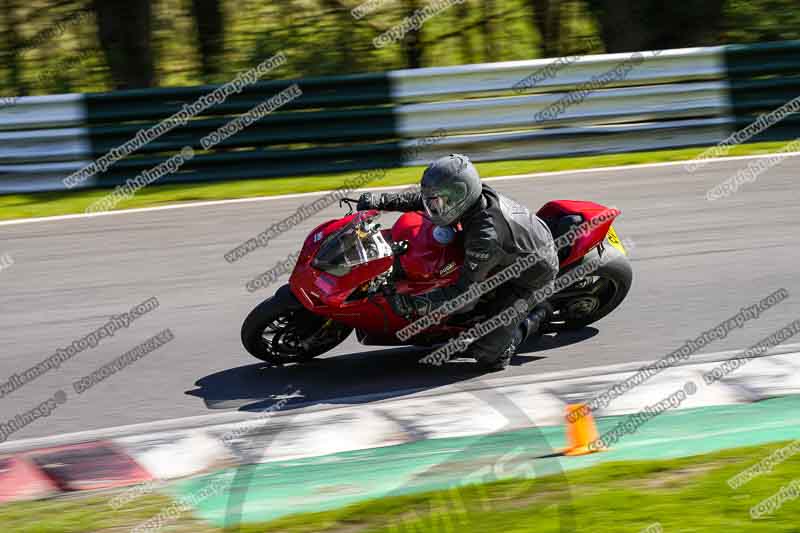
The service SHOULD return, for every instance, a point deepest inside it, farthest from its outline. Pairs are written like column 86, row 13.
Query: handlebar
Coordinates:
column 349, row 202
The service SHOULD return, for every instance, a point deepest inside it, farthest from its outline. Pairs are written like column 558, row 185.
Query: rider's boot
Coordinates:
column 539, row 315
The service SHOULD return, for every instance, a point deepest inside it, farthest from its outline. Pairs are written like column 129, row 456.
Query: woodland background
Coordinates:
column 60, row 46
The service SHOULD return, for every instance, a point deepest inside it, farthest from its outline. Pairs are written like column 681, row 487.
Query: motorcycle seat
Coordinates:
column 561, row 226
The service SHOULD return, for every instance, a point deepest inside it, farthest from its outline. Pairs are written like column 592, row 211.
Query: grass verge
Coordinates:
column 688, row 494
column 45, row 204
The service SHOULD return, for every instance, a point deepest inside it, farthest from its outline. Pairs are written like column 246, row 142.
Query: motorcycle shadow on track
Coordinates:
column 357, row 377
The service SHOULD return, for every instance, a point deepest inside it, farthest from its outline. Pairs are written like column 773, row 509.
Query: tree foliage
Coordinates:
column 145, row 43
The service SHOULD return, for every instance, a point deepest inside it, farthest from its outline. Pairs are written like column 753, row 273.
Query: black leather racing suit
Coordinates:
column 497, row 232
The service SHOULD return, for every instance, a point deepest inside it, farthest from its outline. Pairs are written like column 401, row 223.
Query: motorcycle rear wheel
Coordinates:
column 600, row 294
column 280, row 330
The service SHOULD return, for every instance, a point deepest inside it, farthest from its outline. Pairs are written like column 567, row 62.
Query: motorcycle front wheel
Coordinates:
column 280, row 330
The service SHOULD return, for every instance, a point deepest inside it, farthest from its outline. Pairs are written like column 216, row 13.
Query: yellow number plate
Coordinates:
column 614, row 241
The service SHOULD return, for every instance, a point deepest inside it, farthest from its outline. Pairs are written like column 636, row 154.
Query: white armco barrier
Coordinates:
column 667, row 66
column 558, row 107
column 42, row 140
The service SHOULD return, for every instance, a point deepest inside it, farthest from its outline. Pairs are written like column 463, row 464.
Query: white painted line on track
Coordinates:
column 213, row 203
column 387, row 398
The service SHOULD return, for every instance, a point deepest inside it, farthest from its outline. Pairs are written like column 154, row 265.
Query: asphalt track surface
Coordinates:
column 695, row 263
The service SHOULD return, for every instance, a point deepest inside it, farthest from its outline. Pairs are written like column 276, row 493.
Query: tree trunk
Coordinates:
column 622, row 26
column 465, row 39
column 695, row 23
column 12, row 55
column 347, row 58
column 487, row 27
column 412, row 44
column 124, row 32
column 210, row 24
column 655, row 24
column 547, row 19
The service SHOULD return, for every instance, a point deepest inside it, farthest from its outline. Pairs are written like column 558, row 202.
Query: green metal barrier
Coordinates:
column 667, row 99
column 342, row 123
column 763, row 77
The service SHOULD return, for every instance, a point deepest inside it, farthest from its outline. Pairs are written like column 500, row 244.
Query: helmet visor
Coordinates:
column 442, row 203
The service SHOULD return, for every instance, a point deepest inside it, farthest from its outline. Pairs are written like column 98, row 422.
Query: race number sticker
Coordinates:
column 614, row 241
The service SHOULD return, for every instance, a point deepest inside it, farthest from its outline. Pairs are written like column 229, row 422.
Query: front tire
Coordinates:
column 280, row 330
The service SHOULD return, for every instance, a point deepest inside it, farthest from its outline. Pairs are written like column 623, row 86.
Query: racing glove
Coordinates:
column 409, row 307
column 391, row 201
column 366, row 202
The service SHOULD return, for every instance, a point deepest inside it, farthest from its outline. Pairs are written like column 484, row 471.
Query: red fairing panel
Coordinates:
column 430, row 261
column 427, row 262
column 588, row 210
column 317, row 289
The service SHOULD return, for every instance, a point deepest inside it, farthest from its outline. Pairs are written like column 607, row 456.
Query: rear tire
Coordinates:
column 280, row 330
column 616, row 275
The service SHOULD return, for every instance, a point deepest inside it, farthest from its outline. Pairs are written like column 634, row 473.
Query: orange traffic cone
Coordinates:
column 582, row 437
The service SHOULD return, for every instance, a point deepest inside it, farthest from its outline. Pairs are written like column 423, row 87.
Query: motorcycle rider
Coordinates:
column 497, row 231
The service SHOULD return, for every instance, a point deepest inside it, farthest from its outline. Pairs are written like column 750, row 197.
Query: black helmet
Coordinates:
column 450, row 186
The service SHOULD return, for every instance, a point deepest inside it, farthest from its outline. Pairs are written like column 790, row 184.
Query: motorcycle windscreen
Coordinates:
column 351, row 247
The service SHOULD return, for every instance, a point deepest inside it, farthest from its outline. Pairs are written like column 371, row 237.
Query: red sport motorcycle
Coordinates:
column 348, row 268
